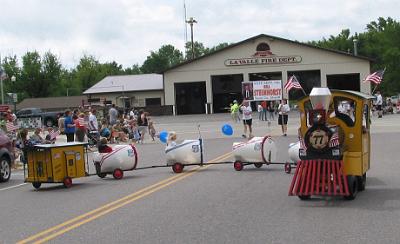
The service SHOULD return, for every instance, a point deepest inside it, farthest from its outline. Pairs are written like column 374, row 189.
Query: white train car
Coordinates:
column 189, row 152
column 121, row 158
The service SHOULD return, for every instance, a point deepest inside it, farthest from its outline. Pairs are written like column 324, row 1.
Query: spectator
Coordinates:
column 113, row 115
column 80, row 128
column 143, row 124
column 264, row 110
column 247, row 118
column 271, row 110
column 235, row 111
column 69, row 126
column 260, row 112
column 283, row 110
column 51, row 136
column 152, row 130
column 37, row 137
column 379, row 103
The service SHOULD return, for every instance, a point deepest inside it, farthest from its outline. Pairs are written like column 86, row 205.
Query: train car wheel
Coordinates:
column 118, row 174
column 353, row 187
column 258, row 165
column 36, row 185
column 288, row 168
column 362, row 181
column 177, row 168
column 102, row 175
column 67, row 182
column 238, row 165
column 304, row 197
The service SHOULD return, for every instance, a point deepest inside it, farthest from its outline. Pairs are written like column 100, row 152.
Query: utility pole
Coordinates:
column 191, row 21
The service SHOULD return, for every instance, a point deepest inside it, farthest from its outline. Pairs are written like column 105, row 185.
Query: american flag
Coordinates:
column 3, row 74
column 334, row 141
column 11, row 127
column 292, row 83
column 375, row 77
column 82, row 122
column 54, row 134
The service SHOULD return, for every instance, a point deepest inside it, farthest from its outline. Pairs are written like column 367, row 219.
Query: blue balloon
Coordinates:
column 164, row 136
column 227, row 130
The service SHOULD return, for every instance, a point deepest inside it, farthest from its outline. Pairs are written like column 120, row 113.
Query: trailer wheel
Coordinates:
column 288, row 168
column 362, row 181
column 304, row 197
column 36, row 185
column 238, row 165
column 352, row 181
column 177, row 168
column 102, row 175
column 258, row 165
column 67, row 182
column 118, row 174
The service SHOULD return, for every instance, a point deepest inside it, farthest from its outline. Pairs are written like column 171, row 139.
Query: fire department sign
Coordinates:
column 263, row 60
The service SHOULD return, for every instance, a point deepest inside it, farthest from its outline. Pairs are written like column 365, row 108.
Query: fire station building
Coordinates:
column 208, row 84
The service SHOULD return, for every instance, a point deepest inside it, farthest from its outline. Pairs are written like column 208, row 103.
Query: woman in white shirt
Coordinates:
column 283, row 115
column 247, row 118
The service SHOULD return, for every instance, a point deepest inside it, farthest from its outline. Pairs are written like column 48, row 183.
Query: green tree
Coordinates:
column 134, row 70
column 51, row 73
column 199, row 50
column 166, row 57
column 31, row 75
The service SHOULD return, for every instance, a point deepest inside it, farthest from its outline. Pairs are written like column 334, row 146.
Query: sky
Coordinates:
column 126, row 31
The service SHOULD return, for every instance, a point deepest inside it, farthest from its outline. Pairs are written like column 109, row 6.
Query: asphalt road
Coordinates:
column 212, row 204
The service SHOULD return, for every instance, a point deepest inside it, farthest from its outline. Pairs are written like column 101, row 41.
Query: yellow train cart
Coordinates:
column 334, row 144
column 56, row 163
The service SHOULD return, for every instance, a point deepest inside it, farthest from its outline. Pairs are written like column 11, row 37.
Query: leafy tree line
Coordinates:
column 380, row 42
column 43, row 75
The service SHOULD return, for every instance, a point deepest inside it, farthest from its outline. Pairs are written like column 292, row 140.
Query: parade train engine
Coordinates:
column 334, row 144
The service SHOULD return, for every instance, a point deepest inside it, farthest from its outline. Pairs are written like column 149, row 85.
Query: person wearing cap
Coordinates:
column 235, row 111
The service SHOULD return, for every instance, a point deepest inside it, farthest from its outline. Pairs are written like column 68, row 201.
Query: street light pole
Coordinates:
column 191, row 21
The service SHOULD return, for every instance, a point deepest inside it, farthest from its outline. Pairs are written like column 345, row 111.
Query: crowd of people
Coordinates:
column 117, row 127
column 264, row 108
column 83, row 124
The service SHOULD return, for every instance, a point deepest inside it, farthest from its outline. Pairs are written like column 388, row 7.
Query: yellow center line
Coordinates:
column 120, row 202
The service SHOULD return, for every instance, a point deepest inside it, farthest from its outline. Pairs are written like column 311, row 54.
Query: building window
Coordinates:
column 153, row 101
column 263, row 47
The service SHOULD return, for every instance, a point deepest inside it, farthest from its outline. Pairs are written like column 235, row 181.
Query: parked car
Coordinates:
column 6, row 156
column 49, row 119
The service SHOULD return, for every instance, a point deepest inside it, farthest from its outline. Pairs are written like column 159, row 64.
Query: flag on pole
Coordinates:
column 54, row 134
column 375, row 77
column 11, row 127
column 292, row 83
column 3, row 74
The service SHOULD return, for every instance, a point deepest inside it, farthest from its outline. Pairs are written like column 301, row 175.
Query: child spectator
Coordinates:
column 152, row 130
column 51, row 137
column 36, row 137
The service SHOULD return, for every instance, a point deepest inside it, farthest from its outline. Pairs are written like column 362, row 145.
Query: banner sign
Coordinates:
column 263, row 60
column 262, row 90
column 30, row 123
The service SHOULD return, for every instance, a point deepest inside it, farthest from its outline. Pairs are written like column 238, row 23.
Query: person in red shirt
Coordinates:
column 264, row 111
